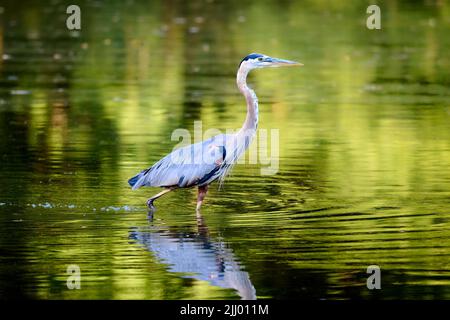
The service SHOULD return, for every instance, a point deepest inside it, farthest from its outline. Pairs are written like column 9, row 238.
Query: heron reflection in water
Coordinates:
column 198, row 256
column 202, row 163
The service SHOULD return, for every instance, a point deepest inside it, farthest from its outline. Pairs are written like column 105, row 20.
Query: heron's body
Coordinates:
column 204, row 162
column 198, row 164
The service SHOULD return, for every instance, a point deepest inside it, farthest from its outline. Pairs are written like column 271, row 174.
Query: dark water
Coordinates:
column 364, row 170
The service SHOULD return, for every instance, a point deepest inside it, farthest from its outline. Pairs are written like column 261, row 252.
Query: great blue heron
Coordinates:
column 201, row 163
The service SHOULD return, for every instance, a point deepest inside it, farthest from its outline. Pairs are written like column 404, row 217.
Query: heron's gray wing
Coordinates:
column 186, row 166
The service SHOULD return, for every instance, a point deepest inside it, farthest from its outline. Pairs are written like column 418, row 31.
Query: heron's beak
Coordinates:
column 283, row 63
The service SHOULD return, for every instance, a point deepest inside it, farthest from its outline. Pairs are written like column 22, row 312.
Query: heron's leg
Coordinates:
column 201, row 195
column 156, row 196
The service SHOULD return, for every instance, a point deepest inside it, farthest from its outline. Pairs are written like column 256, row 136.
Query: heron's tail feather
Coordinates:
column 133, row 180
column 136, row 181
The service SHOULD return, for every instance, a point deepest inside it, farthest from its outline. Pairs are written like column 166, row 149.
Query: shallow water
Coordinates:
column 363, row 178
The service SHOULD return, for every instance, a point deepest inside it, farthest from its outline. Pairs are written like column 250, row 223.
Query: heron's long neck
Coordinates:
column 251, row 120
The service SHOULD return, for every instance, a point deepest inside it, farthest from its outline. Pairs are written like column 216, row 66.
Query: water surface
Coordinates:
column 364, row 175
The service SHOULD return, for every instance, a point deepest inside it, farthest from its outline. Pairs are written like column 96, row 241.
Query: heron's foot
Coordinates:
column 150, row 205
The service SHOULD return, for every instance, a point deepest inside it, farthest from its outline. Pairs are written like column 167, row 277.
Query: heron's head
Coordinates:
column 258, row 60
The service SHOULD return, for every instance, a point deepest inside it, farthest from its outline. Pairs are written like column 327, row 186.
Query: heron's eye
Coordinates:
column 260, row 59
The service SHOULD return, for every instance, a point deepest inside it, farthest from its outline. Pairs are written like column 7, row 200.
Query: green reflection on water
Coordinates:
column 364, row 172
